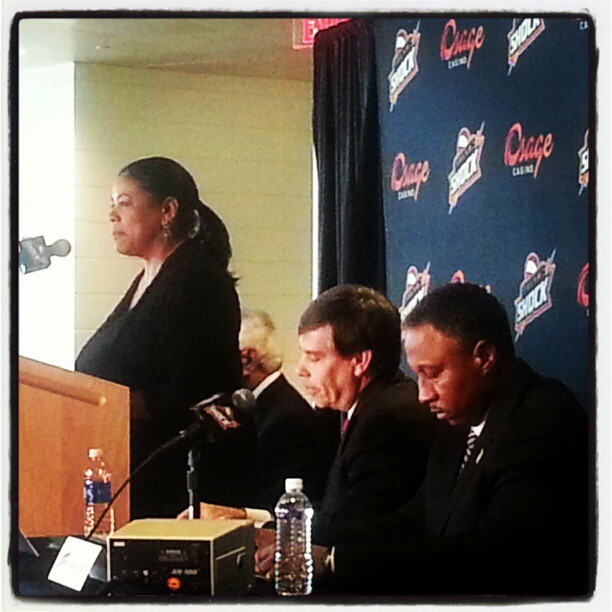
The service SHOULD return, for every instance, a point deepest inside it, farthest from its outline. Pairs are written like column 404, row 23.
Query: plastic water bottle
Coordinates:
column 293, row 565
column 97, row 492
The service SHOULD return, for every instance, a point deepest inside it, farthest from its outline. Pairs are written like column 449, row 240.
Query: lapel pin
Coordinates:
column 479, row 457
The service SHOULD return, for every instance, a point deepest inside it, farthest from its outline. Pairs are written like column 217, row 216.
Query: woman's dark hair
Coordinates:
column 214, row 236
column 164, row 178
column 466, row 312
column 361, row 319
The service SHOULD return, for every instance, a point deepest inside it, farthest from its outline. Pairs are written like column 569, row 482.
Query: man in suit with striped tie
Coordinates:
column 504, row 505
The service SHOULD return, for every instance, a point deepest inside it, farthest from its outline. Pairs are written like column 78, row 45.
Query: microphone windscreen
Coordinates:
column 61, row 248
column 243, row 399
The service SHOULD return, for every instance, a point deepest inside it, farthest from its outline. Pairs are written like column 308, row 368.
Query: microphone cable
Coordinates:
column 242, row 399
column 183, row 435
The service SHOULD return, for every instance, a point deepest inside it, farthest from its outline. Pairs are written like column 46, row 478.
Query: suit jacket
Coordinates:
column 381, row 458
column 291, row 443
column 514, row 521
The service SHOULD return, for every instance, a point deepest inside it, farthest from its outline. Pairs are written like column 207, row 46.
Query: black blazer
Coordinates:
column 291, row 443
column 177, row 346
column 381, row 459
column 513, row 522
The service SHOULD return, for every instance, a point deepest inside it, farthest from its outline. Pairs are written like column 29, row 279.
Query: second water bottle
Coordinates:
column 293, row 565
column 97, row 492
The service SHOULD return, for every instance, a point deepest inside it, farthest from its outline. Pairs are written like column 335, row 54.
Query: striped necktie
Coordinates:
column 469, row 447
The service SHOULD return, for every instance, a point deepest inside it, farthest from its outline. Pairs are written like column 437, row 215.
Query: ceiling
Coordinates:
column 257, row 47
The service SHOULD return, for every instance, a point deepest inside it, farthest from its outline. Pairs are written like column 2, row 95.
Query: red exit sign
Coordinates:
column 304, row 30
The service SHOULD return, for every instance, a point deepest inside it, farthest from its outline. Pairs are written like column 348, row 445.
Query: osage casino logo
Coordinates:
column 525, row 154
column 582, row 292
column 457, row 46
column 407, row 177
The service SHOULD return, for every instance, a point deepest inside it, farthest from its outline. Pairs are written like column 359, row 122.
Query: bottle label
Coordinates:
column 97, row 492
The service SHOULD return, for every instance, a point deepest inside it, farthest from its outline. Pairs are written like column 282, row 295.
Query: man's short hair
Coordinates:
column 361, row 319
column 466, row 312
column 258, row 332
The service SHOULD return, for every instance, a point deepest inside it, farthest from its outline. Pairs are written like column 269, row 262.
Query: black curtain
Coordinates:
column 347, row 144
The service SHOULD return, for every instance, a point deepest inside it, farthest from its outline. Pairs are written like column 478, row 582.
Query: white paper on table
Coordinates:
column 74, row 562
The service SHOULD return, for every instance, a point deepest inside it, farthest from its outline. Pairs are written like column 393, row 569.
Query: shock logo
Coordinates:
column 522, row 34
column 417, row 287
column 583, row 168
column 407, row 178
column 460, row 44
column 582, row 294
column 520, row 151
column 459, row 277
column 465, row 169
column 404, row 66
column 535, row 296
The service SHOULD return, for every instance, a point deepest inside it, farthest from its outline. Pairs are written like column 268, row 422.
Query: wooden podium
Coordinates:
column 62, row 415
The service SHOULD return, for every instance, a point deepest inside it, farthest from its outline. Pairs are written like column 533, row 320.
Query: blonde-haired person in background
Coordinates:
column 293, row 439
column 259, row 348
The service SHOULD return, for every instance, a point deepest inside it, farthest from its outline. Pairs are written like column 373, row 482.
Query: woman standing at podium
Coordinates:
column 173, row 338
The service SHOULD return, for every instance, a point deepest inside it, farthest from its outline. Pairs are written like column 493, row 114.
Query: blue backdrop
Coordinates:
column 484, row 124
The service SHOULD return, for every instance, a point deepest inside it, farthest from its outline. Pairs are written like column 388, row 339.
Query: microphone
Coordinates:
column 212, row 417
column 246, row 407
column 244, row 400
column 215, row 409
column 217, row 398
column 60, row 247
column 35, row 255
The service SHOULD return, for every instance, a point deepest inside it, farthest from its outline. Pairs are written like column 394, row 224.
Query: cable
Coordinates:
column 183, row 435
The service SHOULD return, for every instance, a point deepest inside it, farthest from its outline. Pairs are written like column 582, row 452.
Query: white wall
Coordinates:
column 46, row 207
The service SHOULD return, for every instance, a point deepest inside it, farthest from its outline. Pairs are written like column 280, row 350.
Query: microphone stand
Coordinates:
column 221, row 416
column 192, row 430
column 192, row 482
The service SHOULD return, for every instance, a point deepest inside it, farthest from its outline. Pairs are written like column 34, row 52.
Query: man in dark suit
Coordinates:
column 350, row 342
column 293, row 441
column 350, row 346
column 504, row 505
